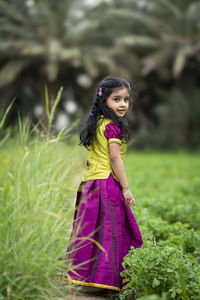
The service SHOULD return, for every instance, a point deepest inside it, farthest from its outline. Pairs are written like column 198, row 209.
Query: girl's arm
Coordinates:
column 119, row 170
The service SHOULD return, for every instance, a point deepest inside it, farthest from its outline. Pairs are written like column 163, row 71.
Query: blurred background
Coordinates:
column 155, row 44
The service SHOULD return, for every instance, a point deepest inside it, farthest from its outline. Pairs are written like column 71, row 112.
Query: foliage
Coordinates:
column 165, row 33
column 154, row 269
column 35, row 193
column 167, row 187
column 36, row 213
column 175, row 123
column 38, row 175
column 36, row 208
column 44, row 32
column 143, row 28
column 151, row 297
column 167, row 265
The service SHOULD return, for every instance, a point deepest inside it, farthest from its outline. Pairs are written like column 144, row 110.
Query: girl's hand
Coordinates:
column 128, row 197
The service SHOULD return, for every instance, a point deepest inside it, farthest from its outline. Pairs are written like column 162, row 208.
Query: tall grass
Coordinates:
column 36, row 208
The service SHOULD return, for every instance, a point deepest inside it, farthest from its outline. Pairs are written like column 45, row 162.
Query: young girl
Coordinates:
column 104, row 226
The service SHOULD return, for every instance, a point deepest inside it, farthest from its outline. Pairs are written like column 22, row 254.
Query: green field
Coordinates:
column 166, row 187
column 38, row 182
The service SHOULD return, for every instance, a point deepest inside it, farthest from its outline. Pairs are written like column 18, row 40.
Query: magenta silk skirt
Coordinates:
column 104, row 228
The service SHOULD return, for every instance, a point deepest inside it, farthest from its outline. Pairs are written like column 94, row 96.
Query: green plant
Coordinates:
column 154, row 269
column 36, row 192
column 2, row 123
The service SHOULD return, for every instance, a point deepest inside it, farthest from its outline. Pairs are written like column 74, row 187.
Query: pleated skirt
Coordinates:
column 104, row 228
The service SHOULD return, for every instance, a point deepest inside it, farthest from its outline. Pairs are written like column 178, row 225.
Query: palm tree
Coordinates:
column 160, row 39
column 161, row 32
column 35, row 31
column 45, row 42
column 56, row 41
column 50, row 42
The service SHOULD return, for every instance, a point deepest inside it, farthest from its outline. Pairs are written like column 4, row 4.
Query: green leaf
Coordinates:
column 6, row 113
column 156, row 282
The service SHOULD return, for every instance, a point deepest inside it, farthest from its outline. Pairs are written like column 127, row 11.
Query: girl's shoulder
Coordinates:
column 109, row 128
column 103, row 121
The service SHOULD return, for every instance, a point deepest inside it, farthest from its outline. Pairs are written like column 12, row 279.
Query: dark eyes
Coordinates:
column 117, row 99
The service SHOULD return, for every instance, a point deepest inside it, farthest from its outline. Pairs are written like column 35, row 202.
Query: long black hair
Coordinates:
column 99, row 107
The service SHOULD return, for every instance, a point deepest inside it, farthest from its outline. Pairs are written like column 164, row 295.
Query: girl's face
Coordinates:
column 118, row 101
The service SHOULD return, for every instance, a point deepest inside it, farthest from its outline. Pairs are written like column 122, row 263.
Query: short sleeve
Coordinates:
column 112, row 133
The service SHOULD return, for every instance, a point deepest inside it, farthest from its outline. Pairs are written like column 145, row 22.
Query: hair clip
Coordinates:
column 100, row 92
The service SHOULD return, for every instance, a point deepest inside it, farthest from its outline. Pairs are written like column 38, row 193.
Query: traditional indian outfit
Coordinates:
column 104, row 226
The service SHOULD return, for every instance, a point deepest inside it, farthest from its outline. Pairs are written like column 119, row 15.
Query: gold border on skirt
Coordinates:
column 94, row 284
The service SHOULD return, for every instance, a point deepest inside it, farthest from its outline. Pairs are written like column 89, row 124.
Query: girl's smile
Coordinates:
column 118, row 101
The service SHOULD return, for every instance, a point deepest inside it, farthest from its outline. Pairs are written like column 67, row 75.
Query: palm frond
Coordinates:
column 193, row 12
column 156, row 60
column 181, row 59
column 149, row 23
column 10, row 71
column 138, row 40
column 171, row 7
column 10, row 10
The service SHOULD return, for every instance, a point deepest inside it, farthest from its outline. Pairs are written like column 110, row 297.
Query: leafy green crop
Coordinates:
column 154, row 269
column 166, row 187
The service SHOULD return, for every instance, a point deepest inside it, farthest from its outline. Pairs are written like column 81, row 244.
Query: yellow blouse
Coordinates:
column 99, row 166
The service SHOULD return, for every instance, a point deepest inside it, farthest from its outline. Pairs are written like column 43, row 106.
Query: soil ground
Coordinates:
column 90, row 293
